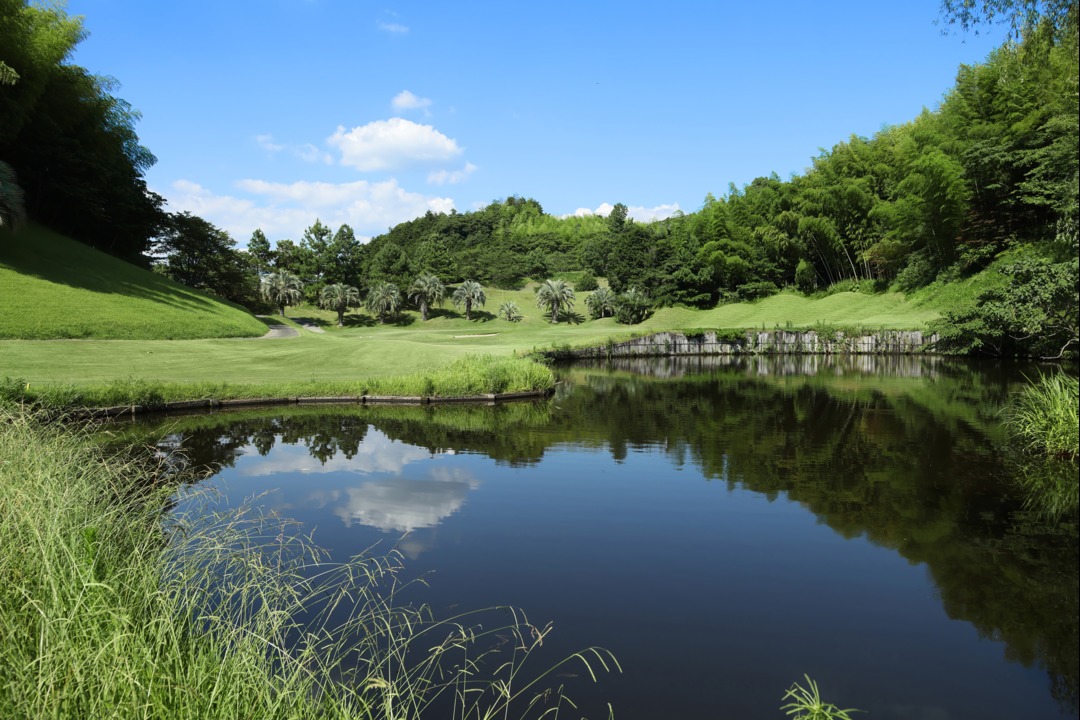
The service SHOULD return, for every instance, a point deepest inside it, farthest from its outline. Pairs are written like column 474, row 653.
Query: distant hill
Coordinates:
column 54, row 287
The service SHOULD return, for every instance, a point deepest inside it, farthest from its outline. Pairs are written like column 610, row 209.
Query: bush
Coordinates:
column 919, row 272
column 756, row 290
column 805, row 277
column 587, row 283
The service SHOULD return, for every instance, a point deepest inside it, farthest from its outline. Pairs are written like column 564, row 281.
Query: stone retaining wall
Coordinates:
column 782, row 342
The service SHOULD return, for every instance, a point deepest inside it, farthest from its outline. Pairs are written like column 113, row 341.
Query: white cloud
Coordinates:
column 391, row 144
column 405, row 100
column 309, row 153
column 392, row 27
column 442, row 177
column 637, row 212
column 266, row 142
column 283, row 210
column 306, row 152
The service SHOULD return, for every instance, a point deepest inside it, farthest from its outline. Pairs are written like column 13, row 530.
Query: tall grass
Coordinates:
column 111, row 608
column 1043, row 420
column 1043, row 417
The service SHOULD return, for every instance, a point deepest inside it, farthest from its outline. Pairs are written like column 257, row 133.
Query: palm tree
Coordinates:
column 282, row 288
column 469, row 293
column 601, row 303
column 383, row 299
column 340, row 297
column 427, row 290
column 509, row 311
column 555, row 295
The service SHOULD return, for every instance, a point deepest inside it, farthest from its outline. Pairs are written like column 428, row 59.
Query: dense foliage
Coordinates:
column 69, row 139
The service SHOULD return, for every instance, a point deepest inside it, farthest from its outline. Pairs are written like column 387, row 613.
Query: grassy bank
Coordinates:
column 111, row 609
column 55, row 287
column 465, row 377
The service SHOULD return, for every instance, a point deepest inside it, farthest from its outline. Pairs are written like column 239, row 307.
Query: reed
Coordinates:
column 1043, row 417
column 112, row 607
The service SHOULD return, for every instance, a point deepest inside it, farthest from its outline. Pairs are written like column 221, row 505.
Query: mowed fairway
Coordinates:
column 365, row 348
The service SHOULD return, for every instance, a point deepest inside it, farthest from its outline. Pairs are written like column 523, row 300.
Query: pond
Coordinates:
column 723, row 526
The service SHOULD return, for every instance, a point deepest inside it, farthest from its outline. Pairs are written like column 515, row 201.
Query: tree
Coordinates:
column 71, row 140
column 339, row 297
column 601, row 303
column 262, row 256
column 554, row 295
column 469, row 293
column 318, row 260
column 1020, row 15
column 425, row 291
column 509, row 311
column 632, row 307
column 194, row 252
column 345, row 257
column 12, row 206
column 383, row 299
column 282, row 288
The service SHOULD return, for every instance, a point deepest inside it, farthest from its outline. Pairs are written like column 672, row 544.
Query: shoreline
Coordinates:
column 362, row 400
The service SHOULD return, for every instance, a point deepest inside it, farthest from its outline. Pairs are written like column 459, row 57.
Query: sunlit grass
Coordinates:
column 1044, row 416
column 55, row 287
column 469, row 376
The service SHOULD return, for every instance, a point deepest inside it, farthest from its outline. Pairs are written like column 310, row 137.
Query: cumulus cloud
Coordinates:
column 442, row 177
column 393, row 28
column 405, row 100
column 404, row 504
column 285, row 209
column 391, row 144
column 637, row 212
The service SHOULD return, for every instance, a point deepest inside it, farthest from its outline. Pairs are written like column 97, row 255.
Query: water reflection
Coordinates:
column 402, row 504
column 905, row 453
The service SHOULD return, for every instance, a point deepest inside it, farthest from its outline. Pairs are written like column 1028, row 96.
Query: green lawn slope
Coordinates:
column 52, row 287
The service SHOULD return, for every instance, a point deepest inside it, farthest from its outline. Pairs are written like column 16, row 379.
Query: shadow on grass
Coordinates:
column 360, row 321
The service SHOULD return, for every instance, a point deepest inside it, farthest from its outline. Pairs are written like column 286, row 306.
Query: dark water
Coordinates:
column 722, row 528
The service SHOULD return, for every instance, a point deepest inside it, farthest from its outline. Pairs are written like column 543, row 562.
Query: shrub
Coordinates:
column 587, row 283
column 805, row 277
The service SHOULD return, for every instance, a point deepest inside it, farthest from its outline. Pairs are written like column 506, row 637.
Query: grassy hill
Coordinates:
column 53, row 287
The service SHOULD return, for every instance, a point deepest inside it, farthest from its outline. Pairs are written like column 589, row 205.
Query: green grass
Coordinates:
column 465, row 377
column 1043, row 417
column 54, row 287
column 111, row 609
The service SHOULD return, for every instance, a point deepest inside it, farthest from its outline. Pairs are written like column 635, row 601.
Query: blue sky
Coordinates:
column 273, row 113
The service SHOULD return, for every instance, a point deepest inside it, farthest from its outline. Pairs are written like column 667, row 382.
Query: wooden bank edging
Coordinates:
column 212, row 404
column 756, row 342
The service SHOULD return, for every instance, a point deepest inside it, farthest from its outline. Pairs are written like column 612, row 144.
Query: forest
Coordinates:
column 985, row 183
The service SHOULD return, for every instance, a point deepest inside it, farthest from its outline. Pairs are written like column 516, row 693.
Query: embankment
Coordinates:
column 781, row 342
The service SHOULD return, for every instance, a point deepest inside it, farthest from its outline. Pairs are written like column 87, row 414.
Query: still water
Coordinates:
column 722, row 526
